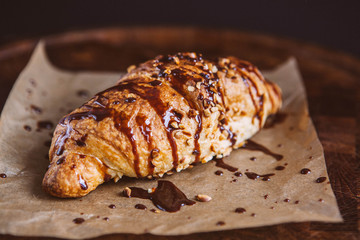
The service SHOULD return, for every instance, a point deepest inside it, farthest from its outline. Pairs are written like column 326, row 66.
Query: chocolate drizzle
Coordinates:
column 78, row 220
column 27, row 128
column 253, row 146
column 145, row 129
column 220, row 163
column 167, row 114
column 254, row 176
column 279, row 168
column 178, row 80
column 240, row 210
column 124, row 125
column 166, row 197
column 83, row 183
column 250, row 85
column 36, row 109
column 320, row 180
column 140, row 206
column 219, row 173
column 305, row 171
column 220, row 223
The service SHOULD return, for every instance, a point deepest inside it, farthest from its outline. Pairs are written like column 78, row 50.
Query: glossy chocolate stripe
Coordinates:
column 152, row 95
column 178, row 83
column 144, row 124
column 123, row 124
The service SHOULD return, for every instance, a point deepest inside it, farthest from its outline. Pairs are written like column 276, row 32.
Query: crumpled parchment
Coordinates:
column 45, row 93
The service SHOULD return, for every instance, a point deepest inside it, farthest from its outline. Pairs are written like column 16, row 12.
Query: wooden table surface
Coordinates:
column 332, row 81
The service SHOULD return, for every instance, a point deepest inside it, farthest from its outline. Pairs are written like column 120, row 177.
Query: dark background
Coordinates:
column 330, row 23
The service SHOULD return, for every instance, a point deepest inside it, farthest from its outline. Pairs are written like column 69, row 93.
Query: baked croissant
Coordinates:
column 166, row 114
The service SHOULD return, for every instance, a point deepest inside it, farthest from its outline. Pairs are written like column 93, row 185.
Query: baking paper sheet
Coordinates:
column 26, row 210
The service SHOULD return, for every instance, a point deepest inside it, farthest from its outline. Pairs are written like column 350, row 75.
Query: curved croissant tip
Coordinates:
column 56, row 184
column 72, row 177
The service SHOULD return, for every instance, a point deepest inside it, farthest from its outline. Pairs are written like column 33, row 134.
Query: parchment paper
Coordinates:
column 26, row 210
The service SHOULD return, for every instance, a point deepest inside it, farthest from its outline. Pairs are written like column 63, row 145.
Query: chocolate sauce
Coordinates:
column 78, row 220
column 106, row 219
column 321, row 200
column 3, row 175
column 250, row 85
column 219, row 173
column 220, row 223
column 27, row 128
column 36, row 109
column 220, row 163
column 107, row 177
column 139, row 193
column 83, row 183
column 275, row 119
column 60, row 160
column 144, row 124
column 253, row 158
column 112, row 206
column 44, row 125
column 286, row 200
column 297, row 202
column 178, row 80
column 305, row 171
column 166, row 197
column 155, row 83
column 81, row 141
column 280, row 168
column 253, row 215
column 238, row 174
column 124, row 125
column 83, row 93
column 231, row 136
column 321, row 179
column 96, row 113
column 253, row 146
column 266, row 196
column 140, row 206
column 240, row 210
column 254, row 176
column 266, row 178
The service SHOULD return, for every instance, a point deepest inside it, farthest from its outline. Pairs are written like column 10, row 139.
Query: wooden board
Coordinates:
column 332, row 81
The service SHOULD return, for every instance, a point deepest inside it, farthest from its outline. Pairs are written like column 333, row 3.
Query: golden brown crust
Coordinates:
column 163, row 115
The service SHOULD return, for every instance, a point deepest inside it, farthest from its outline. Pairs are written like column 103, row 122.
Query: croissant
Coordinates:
column 163, row 116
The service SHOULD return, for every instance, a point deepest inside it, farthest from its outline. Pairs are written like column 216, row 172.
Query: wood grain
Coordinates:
column 332, row 81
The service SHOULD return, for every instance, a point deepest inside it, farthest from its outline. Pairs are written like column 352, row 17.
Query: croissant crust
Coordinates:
column 161, row 117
